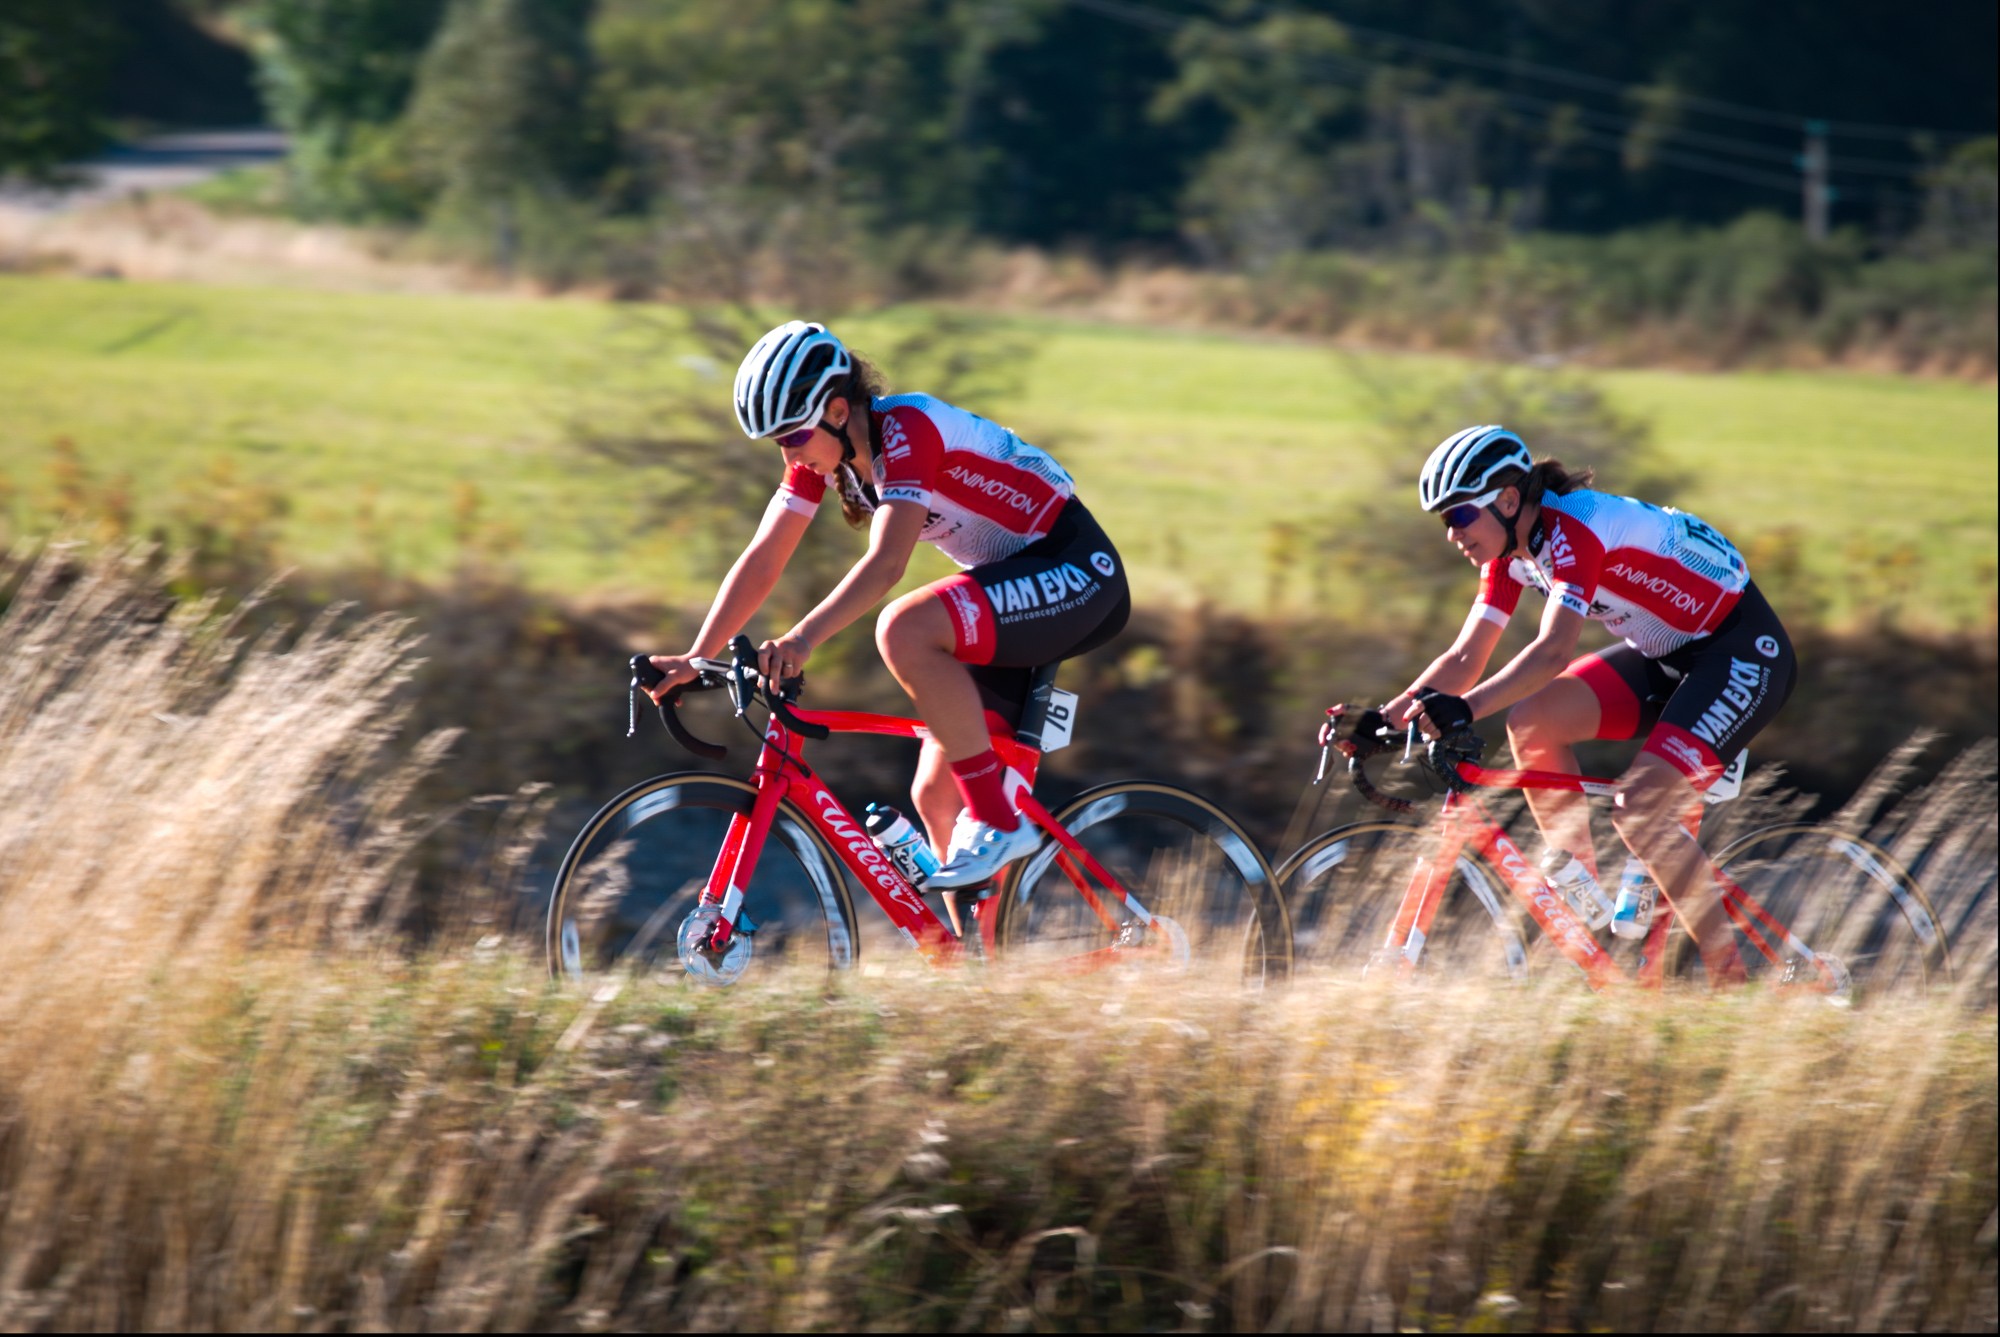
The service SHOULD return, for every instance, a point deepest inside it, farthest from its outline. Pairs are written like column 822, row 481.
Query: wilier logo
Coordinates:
column 1767, row 646
column 1105, row 566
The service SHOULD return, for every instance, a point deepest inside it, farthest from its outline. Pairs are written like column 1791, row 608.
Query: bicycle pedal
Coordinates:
column 966, row 895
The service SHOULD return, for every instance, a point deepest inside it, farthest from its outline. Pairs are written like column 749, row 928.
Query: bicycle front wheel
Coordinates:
column 1188, row 864
column 1344, row 887
column 638, row 867
column 1844, row 898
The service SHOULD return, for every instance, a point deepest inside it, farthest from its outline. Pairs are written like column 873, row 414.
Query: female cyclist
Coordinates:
column 1704, row 666
column 1041, row 583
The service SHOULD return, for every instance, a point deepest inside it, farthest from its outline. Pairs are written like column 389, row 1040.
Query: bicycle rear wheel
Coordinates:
column 1840, row 895
column 638, row 867
column 1343, row 888
column 1189, row 864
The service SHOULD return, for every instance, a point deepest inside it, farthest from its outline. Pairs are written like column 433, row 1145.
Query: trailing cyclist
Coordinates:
column 1041, row 581
column 1703, row 667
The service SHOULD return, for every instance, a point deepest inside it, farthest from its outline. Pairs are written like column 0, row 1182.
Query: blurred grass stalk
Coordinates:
column 229, row 1100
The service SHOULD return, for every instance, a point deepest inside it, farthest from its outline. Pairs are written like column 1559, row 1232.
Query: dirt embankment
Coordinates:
column 1348, row 300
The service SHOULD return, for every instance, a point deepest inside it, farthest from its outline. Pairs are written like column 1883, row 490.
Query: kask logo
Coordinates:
column 1102, row 561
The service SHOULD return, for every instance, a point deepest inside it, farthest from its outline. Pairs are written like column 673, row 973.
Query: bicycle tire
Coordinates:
column 1840, row 895
column 1344, row 886
column 1212, row 881
column 633, row 924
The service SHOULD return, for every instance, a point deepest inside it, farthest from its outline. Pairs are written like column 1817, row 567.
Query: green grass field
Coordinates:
column 1191, row 447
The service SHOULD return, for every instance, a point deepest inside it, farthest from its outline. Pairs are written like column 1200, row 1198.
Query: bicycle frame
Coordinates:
column 1465, row 823
column 781, row 774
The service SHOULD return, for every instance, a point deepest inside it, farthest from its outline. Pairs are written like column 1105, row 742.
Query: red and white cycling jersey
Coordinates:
column 1656, row 576
column 989, row 493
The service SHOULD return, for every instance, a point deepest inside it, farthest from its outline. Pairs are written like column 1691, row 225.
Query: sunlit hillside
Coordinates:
column 368, row 417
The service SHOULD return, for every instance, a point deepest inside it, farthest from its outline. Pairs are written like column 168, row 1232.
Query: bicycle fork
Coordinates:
column 1425, row 894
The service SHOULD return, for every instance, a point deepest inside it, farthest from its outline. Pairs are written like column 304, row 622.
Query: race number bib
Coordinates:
column 1061, row 721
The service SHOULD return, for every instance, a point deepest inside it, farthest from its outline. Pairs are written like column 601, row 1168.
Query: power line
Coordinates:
column 1698, row 162
column 1596, row 83
column 1725, row 143
column 1160, row 21
column 1137, row 15
column 1548, row 110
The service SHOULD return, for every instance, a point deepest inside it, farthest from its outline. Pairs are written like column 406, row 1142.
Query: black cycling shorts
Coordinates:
column 1059, row 597
column 1701, row 704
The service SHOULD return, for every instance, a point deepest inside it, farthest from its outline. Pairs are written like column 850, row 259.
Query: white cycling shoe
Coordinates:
column 978, row 852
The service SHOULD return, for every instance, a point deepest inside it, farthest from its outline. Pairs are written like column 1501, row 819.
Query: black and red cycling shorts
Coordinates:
column 1062, row 595
column 1701, row 704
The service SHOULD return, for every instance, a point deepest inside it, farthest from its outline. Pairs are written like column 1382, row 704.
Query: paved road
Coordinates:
column 164, row 162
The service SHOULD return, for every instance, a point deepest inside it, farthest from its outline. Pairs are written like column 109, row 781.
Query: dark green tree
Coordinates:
column 54, row 55
column 498, row 126
column 787, row 132
column 338, row 74
column 1273, row 187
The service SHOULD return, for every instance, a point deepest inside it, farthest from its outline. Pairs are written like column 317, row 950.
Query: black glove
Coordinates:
column 1362, row 728
column 1449, row 713
column 1368, row 725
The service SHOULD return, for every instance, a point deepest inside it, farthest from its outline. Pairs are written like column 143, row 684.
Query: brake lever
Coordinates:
column 644, row 678
column 1326, row 734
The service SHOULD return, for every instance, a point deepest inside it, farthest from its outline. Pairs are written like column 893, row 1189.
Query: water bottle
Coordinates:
column 1632, row 913
column 1568, row 875
column 896, row 836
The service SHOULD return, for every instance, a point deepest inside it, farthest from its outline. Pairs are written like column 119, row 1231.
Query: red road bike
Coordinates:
column 1812, row 907
column 692, row 850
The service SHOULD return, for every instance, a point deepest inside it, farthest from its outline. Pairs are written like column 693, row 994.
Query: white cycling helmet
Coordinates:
column 1471, row 463
column 787, row 377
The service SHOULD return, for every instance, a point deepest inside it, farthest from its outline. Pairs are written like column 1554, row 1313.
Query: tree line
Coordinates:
column 1230, row 131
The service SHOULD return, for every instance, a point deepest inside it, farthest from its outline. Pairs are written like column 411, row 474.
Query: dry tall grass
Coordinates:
column 223, row 1104
column 165, row 237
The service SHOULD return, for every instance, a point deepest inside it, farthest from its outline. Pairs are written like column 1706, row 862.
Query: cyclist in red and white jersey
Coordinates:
column 1704, row 664
column 1042, row 582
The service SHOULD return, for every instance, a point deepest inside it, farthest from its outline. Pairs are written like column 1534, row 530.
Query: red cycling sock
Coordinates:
column 980, row 784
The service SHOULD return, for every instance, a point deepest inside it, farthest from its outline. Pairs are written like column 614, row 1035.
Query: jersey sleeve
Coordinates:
column 1499, row 592
column 912, row 454
column 802, row 489
column 1575, row 561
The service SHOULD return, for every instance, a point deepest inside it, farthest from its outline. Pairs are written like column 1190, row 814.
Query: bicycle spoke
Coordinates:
column 1189, row 888
column 638, row 869
column 1345, row 887
column 1863, row 920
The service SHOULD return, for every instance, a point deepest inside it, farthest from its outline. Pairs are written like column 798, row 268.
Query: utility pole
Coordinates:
column 1815, row 163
